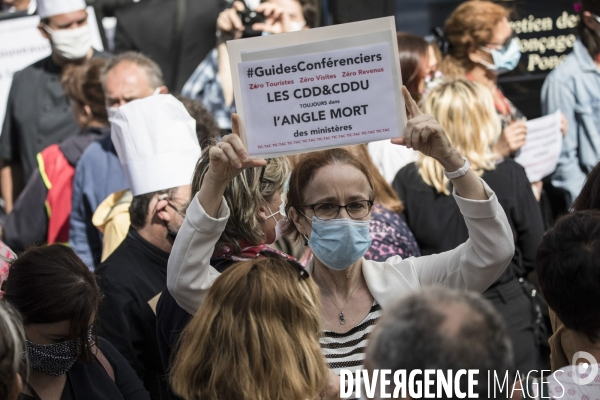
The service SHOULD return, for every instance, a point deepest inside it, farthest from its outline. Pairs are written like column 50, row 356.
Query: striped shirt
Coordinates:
column 347, row 350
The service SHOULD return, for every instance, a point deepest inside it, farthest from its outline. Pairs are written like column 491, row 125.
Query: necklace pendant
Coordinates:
column 342, row 319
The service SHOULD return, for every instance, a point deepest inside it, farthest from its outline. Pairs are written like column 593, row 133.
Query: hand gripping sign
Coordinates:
column 319, row 88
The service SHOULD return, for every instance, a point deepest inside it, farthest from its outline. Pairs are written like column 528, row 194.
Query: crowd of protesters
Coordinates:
column 145, row 255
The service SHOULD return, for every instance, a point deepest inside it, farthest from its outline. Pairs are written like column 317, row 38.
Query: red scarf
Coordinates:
column 500, row 102
column 248, row 252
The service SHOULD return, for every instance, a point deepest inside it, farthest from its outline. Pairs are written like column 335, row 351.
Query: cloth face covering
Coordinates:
column 55, row 359
column 71, row 44
column 339, row 243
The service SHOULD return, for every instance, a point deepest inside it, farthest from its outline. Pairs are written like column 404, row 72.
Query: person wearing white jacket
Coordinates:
column 328, row 205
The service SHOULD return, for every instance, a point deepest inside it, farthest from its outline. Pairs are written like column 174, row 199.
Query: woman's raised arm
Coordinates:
column 189, row 274
column 425, row 134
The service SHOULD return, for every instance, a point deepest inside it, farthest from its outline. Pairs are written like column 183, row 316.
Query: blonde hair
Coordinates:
column 12, row 345
column 466, row 111
column 469, row 26
column 255, row 337
column 245, row 194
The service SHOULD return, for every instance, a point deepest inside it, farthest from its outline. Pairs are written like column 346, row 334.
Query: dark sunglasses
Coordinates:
column 303, row 273
column 261, row 180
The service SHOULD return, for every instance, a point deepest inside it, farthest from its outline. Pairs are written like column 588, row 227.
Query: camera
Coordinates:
column 250, row 18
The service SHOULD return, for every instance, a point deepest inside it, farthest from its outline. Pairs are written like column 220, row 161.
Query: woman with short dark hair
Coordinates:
column 416, row 63
column 58, row 297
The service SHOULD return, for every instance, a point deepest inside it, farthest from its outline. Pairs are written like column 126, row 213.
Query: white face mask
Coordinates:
column 297, row 26
column 278, row 224
column 279, row 228
column 111, row 111
column 70, row 44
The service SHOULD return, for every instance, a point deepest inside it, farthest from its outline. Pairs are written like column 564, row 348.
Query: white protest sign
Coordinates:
column 22, row 44
column 318, row 88
column 539, row 155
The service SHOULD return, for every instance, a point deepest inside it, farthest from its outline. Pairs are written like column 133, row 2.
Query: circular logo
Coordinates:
column 585, row 372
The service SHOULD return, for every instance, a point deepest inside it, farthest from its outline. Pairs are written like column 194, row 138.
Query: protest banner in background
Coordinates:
column 318, row 88
column 22, row 44
column 539, row 156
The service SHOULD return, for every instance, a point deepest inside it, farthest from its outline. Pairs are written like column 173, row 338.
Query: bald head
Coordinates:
column 439, row 328
column 131, row 76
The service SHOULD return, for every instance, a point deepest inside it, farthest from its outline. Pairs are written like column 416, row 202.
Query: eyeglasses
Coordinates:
column 356, row 209
column 177, row 210
column 269, row 253
column 498, row 46
column 262, row 180
column 170, row 204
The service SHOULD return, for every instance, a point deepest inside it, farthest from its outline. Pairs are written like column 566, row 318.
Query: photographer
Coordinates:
column 211, row 83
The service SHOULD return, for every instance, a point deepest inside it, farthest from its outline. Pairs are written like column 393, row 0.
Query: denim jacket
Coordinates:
column 574, row 88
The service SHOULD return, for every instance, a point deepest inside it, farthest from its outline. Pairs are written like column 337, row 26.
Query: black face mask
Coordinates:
column 54, row 359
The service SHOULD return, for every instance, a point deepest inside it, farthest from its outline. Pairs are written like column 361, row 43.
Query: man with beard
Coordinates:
column 156, row 142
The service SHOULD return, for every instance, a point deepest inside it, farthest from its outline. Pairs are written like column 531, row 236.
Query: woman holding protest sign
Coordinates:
column 328, row 207
column 254, row 198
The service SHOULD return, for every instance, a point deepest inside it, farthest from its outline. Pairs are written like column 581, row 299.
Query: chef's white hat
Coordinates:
column 156, row 142
column 50, row 8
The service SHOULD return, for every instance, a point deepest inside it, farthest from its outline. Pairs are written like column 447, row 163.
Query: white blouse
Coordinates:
column 474, row 265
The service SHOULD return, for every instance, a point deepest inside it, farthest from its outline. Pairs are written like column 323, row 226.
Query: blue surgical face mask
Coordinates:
column 505, row 59
column 339, row 243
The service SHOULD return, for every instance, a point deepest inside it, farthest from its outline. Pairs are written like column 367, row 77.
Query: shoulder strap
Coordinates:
column 104, row 362
column 34, row 394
